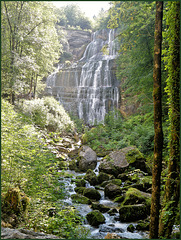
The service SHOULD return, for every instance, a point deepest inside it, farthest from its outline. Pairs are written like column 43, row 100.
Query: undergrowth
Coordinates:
column 27, row 164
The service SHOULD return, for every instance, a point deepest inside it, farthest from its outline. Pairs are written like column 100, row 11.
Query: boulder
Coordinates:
column 136, row 159
column 79, row 190
column 118, row 162
column 114, row 163
column 88, row 158
column 111, row 190
column 102, row 177
column 131, row 213
column 80, row 182
column 7, row 233
column 92, row 194
column 131, row 228
column 135, row 196
column 143, row 225
column 98, row 206
column 95, row 218
column 91, row 177
column 112, row 211
column 80, row 199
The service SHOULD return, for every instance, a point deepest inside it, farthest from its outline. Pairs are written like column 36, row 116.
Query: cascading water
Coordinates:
column 89, row 87
column 97, row 91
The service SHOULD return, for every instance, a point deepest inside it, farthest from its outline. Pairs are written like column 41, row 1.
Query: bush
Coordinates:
column 48, row 113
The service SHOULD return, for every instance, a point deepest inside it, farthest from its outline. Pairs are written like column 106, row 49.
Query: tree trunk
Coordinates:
column 158, row 139
column 172, row 187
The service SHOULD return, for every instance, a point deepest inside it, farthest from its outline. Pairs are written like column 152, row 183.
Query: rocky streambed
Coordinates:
column 112, row 193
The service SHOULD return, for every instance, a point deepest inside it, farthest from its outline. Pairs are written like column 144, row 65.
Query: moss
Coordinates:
column 79, row 190
column 80, row 199
column 134, row 196
column 84, row 138
column 80, row 182
column 133, row 155
column 91, row 177
column 130, row 213
column 15, row 202
column 131, row 228
column 92, row 194
column 119, row 199
column 95, row 218
column 116, row 182
column 102, row 177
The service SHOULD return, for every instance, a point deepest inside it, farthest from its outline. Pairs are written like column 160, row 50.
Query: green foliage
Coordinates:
column 48, row 113
column 28, row 165
column 71, row 16
column 101, row 20
column 118, row 133
column 29, row 37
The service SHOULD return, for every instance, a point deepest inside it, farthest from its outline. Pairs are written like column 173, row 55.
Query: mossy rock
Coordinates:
column 79, row 190
column 103, row 177
column 131, row 228
column 136, row 160
column 91, row 177
column 119, row 199
column 131, row 213
column 15, row 202
column 143, row 226
column 112, row 211
column 80, row 182
column 102, row 208
column 73, row 165
column 80, row 199
column 95, row 218
column 92, row 193
column 135, row 196
column 124, row 177
column 112, row 190
column 116, row 182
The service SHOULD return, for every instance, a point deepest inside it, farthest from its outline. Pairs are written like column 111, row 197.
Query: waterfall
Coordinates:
column 97, row 93
column 89, row 87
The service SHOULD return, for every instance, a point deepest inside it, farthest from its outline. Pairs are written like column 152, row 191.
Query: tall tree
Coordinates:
column 158, row 139
column 30, row 44
column 172, row 59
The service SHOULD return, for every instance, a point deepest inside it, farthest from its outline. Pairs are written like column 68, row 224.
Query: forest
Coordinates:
column 98, row 156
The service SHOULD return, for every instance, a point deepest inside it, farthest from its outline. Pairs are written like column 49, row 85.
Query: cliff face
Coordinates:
column 76, row 43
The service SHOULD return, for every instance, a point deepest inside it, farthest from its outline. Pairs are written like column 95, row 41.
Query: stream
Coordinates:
column 112, row 223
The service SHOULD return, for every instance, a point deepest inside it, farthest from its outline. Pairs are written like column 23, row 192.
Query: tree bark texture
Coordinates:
column 158, row 139
column 172, row 187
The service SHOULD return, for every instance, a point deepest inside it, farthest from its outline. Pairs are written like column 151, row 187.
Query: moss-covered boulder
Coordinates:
column 136, row 160
column 102, row 208
column 91, row 177
column 118, row 162
column 112, row 211
column 95, row 218
column 15, row 202
column 131, row 213
column 87, row 158
column 131, row 228
column 73, row 165
column 92, row 193
column 80, row 182
column 143, row 225
column 80, row 199
column 79, row 190
column 112, row 190
column 102, row 177
column 135, row 196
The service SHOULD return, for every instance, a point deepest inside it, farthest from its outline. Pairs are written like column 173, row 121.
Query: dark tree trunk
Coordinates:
column 158, row 139
column 172, row 187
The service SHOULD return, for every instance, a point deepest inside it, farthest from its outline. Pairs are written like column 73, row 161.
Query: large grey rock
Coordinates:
column 8, row 233
column 118, row 162
column 88, row 159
